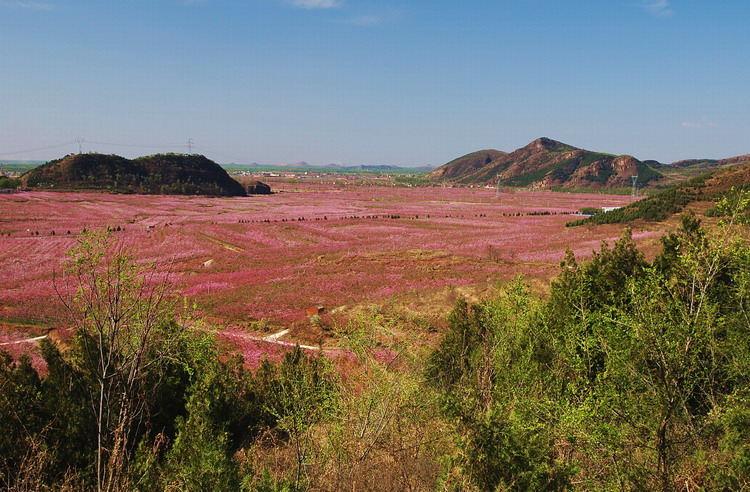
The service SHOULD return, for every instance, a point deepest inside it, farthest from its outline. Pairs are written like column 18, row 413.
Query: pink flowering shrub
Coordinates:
column 245, row 259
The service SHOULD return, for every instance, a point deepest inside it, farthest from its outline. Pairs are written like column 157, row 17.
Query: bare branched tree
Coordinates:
column 123, row 317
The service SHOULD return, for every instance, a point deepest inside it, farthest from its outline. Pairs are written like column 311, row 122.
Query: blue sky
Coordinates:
column 373, row 82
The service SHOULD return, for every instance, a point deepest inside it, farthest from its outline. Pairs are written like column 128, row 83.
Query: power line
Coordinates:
column 232, row 158
column 139, row 146
column 190, row 145
column 38, row 148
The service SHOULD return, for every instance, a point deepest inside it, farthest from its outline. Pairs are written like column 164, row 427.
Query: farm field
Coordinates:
column 254, row 265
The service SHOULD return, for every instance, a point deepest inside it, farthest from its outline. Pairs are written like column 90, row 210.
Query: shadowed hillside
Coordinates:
column 169, row 174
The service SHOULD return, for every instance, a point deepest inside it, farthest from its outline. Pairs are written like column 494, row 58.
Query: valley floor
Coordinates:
column 257, row 264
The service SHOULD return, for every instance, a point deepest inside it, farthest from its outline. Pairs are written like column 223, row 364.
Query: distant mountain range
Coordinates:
column 549, row 164
column 378, row 167
column 296, row 164
column 303, row 164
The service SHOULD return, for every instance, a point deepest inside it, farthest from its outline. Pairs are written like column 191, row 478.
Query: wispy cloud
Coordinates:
column 699, row 124
column 660, row 8
column 18, row 4
column 316, row 4
column 362, row 20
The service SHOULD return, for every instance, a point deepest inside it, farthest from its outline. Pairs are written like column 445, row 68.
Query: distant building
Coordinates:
column 609, row 209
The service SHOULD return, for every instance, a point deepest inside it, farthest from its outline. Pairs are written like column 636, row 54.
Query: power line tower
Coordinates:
column 80, row 141
column 634, row 191
column 497, row 187
column 190, row 145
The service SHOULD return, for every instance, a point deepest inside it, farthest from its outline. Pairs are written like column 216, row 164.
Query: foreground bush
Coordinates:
column 632, row 375
column 142, row 400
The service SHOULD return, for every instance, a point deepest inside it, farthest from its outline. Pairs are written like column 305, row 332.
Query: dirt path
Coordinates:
column 25, row 340
column 274, row 338
column 230, row 247
column 268, row 339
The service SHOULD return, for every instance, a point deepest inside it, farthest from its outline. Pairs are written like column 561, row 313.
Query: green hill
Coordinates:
column 171, row 174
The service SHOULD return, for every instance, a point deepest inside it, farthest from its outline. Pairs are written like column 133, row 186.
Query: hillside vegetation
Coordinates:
column 711, row 187
column 679, row 171
column 155, row 174
column 467, row 165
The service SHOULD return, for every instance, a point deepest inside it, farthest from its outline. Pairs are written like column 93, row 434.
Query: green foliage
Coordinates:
column 407, row 180
column 9, row 183
column 734, row 204
column 199, row 458
column 21, row 413
column 488, row 368
column 504, row 453
column 528, row 178
column 71, row 432
column 647, row 173
column 630, row 376
column 655, row 208
column 299, row 394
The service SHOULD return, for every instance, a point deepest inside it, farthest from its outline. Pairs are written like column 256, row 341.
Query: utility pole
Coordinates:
column 634, row 191
column 499, row 179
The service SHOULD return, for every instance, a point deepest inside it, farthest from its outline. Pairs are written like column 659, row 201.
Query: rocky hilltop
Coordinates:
column 545, row 164
column 172, row 174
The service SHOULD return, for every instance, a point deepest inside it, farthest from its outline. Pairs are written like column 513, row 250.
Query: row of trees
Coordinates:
column 631, row 374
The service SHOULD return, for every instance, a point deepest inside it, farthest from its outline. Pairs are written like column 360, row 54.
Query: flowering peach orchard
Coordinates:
column 256, row 264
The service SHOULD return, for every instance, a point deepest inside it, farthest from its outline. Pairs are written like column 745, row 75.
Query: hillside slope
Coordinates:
column 709, row 187
column 680, row 171
column 155, row 174
column 467, row 164
column 547, row 163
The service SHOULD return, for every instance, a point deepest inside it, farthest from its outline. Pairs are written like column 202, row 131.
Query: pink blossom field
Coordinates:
column 257, row 263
